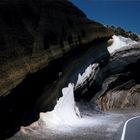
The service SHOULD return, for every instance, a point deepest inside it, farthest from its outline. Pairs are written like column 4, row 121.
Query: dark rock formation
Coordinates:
column 116, row 84
column 33, row 33
column 37, row 38
column 128, row 34
column 39, row 91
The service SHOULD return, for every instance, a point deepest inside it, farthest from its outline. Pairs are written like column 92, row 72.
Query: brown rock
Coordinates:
column 33, row 33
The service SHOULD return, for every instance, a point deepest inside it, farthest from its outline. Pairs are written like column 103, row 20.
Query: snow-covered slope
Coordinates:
column 119, row 42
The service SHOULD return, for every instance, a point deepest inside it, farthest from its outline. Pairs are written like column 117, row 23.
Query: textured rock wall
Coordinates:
column 121, row 31
column 33, row 33
column 116, row 83
column 122, row 90
column 120, row 99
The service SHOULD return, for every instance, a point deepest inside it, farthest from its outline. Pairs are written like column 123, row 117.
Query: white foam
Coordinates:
column 85, row 75
column 65, row 111
column 64, row 117
column 119, row 42
column 89, row 70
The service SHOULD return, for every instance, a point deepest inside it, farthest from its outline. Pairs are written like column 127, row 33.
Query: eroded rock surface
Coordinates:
column 115, row 84
column 128, row 34
column 37, row 39
column 33, row 33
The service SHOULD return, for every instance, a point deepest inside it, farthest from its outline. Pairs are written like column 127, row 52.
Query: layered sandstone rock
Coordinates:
column 120, row 99
column 33, row 33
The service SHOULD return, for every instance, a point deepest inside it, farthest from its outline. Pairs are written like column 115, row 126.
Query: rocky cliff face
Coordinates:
column 37, row 39
column 115, row 84
column 34, row 33
column 121, row 31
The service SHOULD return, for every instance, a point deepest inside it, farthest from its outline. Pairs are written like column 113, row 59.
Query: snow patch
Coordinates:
column 119, row 42
column 65, row 111
column 85, row 75
column 89, row 70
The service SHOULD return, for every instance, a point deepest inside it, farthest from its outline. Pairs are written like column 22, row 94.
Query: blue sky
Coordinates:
column 124, row 13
